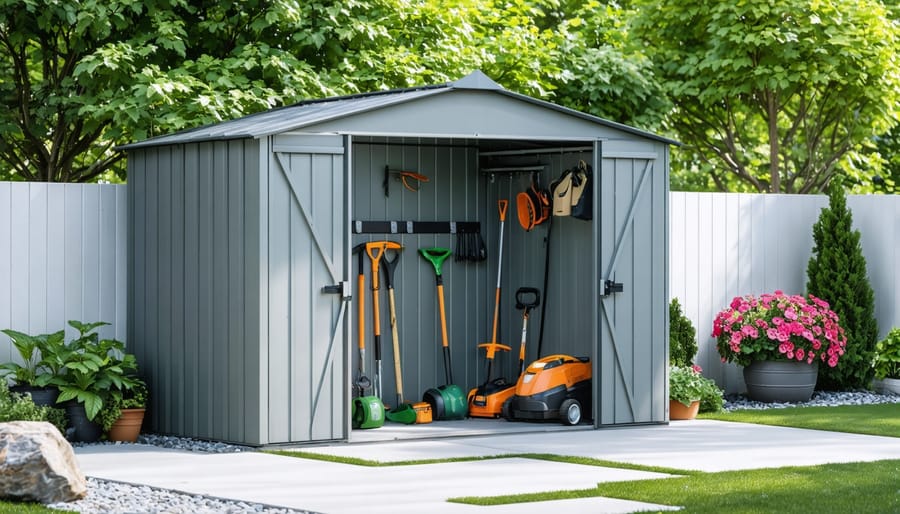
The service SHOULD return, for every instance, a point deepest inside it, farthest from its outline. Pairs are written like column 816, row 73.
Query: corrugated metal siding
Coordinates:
column 633, row 331
column 727, row 245
column 192, row 314
column 62, row 257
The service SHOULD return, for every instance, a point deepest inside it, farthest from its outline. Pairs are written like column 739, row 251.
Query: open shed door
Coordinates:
column 309, row 288
column 630, row 233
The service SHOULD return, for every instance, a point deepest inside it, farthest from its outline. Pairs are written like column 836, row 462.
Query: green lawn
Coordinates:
column 881, row 419
column 869, row 487
column 859, row 488
column 7, row 507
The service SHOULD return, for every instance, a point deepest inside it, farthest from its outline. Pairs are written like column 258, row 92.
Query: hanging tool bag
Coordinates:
column 573, row 192
column 533, row 204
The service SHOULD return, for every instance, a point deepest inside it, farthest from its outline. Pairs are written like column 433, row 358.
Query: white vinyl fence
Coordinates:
column 62, row 257
column 726, row 245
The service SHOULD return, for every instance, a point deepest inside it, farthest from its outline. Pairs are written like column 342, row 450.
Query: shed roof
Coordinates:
column 313, row 112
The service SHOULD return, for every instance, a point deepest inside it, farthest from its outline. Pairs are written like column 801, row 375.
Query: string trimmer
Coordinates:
column 486, row 400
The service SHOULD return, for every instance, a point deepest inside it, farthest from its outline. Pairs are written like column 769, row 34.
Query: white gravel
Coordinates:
column 105, row 497
column 819, row 399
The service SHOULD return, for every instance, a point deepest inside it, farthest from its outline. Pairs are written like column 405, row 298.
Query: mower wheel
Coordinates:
column 570, row 412
column 505, row 410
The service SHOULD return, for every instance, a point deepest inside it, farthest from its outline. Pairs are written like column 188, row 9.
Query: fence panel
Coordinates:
column 62, row 257
column 725, row 245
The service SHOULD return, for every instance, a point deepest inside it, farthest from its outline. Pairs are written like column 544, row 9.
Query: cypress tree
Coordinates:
column 682, row 336
column 837, row 274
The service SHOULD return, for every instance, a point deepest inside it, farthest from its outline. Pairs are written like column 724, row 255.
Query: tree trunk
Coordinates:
column 772, row 111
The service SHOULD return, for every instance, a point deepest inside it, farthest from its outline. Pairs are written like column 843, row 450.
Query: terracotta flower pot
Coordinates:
column 677, row 410
column 127, row 427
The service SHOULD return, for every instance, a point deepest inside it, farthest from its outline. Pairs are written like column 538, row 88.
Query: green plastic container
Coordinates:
column 368, row 412
column 448, row 402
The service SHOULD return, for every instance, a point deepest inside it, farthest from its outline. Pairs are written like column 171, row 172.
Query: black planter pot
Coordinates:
column 39, row 395
column 81, row 429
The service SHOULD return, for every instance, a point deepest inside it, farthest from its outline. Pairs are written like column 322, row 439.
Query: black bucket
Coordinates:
column 81, row 429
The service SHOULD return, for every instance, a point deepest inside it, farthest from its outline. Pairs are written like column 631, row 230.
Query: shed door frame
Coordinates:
column 606, row 241
column 329, row 285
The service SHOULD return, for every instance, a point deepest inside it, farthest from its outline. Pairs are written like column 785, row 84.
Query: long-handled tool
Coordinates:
column 486, row 400
column 367, row 411
column 375, row 251
column 447, row 401
column 362, row 381
column 402, row 412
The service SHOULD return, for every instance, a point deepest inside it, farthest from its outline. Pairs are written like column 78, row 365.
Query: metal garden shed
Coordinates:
column 242, row 282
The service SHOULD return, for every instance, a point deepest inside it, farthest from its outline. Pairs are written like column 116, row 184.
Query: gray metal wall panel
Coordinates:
column 188, row 301
column 190, row 278
column 471, row 113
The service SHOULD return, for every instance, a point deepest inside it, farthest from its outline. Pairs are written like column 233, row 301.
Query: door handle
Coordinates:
column 341, row 288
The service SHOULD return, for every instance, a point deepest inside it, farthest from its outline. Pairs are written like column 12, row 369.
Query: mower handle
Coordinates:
column 528, row 298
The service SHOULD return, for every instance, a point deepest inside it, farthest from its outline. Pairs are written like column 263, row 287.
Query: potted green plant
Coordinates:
column 685, row 392
column 887, row 363
column 96, row 370
column 123, row 412
column 777, row 337
column 39, row 366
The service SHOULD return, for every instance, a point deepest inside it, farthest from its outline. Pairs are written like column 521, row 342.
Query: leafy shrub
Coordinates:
column 682, row 336
column 887, row 356
column 711, row 397
column 19, row 407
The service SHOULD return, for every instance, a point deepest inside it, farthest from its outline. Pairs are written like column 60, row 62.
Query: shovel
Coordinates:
column 402, row 412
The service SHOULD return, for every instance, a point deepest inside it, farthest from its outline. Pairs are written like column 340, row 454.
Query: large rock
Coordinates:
column 38, row 464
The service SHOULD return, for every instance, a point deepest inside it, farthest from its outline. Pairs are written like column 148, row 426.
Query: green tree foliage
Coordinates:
column 682, row 337
column 607, row 75
column 837, row 274
column 79, row 77
column 774, row 95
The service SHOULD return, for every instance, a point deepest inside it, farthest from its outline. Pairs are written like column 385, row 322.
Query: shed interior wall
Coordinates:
column 458, row 190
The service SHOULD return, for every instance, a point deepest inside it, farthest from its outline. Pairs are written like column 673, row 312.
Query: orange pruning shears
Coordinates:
column 405, row 176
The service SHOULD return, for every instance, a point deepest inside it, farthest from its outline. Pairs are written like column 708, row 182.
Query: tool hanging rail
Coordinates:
column 416, row 227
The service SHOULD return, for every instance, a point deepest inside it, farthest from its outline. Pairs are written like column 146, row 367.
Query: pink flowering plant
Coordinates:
column 779, row 327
